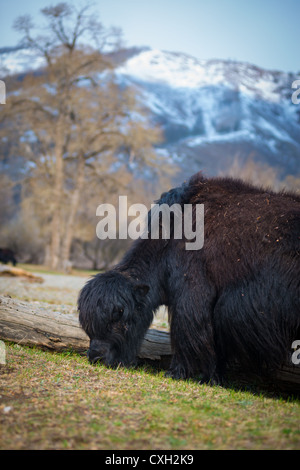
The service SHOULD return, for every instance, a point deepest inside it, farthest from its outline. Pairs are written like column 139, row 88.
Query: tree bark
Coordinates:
column 24, row 323
column 57, row 196
column 27, row 324
column 73, row 207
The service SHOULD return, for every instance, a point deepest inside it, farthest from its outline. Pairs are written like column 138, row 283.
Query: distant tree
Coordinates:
column 292, row 183
column 6, row 198
column 254, row 172
column 102, row 254
column 78, row 125
column 262, row 175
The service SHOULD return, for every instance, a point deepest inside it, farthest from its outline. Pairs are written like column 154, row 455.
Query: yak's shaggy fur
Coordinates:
column 236, row 298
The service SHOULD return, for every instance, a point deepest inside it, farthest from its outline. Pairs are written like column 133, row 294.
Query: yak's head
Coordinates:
column 113, row 312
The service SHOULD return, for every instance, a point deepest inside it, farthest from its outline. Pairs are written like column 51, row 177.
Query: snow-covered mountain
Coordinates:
column 212, row 112
column 18, row 60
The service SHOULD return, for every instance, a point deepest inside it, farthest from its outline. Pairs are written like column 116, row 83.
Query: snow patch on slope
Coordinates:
column 20, row 61
column 181, row 71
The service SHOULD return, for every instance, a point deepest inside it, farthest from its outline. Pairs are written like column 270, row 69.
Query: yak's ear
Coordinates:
column 141, row 289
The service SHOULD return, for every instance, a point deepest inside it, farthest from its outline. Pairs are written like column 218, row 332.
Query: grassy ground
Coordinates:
column 60, row 401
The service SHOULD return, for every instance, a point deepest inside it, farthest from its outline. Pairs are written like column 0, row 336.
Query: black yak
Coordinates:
column 235, row 298
column 7, row 256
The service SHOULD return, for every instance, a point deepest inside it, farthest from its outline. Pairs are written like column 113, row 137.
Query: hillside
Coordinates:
column 213, row 113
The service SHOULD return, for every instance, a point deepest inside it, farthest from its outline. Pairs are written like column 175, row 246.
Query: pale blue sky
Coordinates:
column 263, row 32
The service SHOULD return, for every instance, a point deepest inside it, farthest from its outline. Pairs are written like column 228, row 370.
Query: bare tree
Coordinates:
column 254, row 172
column 78, row 124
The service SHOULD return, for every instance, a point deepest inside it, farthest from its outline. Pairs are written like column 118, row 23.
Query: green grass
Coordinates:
column 60, row 401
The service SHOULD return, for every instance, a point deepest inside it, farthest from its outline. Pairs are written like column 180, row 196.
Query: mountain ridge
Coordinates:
column 213, row 112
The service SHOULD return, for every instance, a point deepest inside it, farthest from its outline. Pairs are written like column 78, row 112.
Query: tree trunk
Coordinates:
column 73, row 207
column 57, row 195
column 24, row 323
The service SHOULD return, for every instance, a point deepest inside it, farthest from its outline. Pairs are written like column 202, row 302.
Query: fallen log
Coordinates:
column 24, row 323
column 11, row 271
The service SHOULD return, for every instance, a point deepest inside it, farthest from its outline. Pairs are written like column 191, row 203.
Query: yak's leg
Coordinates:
column 192, row 333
